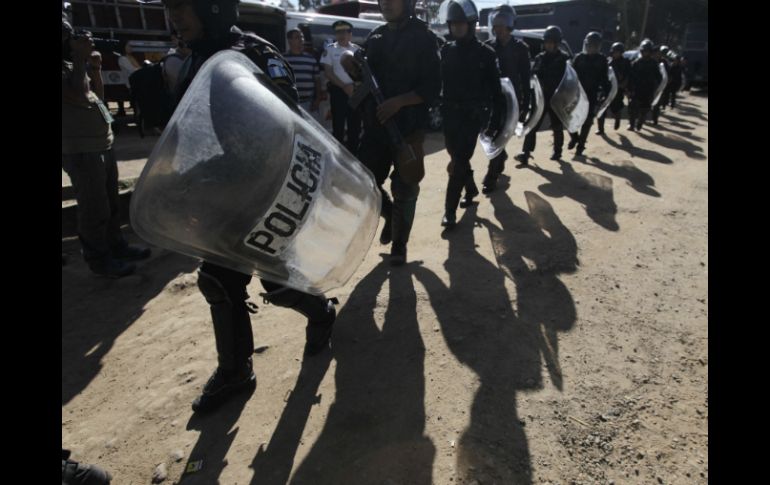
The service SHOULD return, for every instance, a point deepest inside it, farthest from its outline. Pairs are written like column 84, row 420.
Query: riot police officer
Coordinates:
column 644, row 79
column 472, row 100
column 591, row 68
column 403, row 57
column 659, row 53
column 549, row 67
column 674, row 80
column 514, row 61
column 208, row 26
column 622, row 68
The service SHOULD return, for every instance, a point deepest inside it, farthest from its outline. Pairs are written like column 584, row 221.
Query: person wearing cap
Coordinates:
column 341, row 86
column 643, row 80
column 89, row 160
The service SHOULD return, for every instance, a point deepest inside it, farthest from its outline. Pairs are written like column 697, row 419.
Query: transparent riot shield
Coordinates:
column 536, row 109
column 244, row 178
column 570, row 102
column 663, row 83
column 493, row 147
column 611, row 95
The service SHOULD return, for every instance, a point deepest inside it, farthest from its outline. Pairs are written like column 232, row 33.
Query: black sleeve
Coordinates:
column 633, row 76
column 280, row 72
column 605, row 79
column 429, row 85
column 524, row 69
column 273, row 65
column 492, row 80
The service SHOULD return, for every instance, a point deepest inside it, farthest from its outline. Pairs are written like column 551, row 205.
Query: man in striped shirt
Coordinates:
column 306, row 71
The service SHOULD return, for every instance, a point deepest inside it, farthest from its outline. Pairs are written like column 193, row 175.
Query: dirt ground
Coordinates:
column 557, row 335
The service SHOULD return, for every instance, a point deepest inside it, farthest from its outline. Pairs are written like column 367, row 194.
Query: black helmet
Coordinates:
column 552, row 33
column 408, row 7
column 618, row 47
column 503, row 13
column 462, row 11
column 664, row 50
column 217, row 16
column 592, row 39
column 646, row 45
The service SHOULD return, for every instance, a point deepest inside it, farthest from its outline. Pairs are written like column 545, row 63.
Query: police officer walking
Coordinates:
column 549, row 67
column 472, row 101
column 645, row 78
column 674, row 81
column 208, row 26
column 622, row 68
column 591, row 68
column 403, row 57
column 514, row 61
column 660, row 54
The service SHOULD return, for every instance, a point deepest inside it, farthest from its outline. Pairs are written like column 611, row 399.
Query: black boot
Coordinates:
column 617, row 123
column 449, row 220
column 387, row 211
column 318, row 310
column 225, row 292
column 398, row 247
column 318, row 332
column 522, row 158
column 600, row 125
column 398, row 254
column 223, row 385
column 471, row 191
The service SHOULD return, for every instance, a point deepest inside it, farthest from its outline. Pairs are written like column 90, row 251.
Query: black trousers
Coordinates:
column 343, row 114
column 225, row 292
column 461, row 130
column 556, row 127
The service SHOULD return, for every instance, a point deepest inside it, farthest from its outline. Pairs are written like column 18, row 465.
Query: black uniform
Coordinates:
column 472, row 102
column 404, row 59
column 225, row 289
column 622, row 68
column 514, row 62
column 643, row 81
column 663, row 97
column 549, row 68
column 592, row 73
column 674, row 83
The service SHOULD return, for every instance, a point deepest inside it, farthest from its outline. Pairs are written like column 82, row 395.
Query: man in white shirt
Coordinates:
column 172, row 63
column 341, row 87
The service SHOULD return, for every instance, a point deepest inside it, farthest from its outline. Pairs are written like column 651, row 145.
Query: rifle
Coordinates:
column 405, row 157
